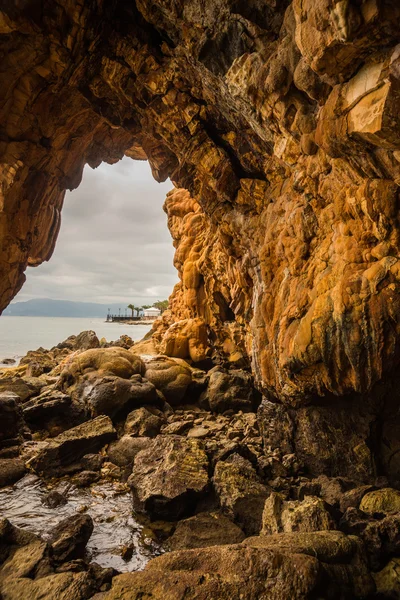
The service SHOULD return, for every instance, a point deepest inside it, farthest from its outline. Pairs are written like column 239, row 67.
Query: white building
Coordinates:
column 151, row 313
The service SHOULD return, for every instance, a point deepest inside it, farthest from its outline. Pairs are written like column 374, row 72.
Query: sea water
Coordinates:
column 20, row 334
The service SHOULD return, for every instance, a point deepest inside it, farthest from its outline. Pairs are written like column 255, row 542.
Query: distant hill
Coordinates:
column 45, row 307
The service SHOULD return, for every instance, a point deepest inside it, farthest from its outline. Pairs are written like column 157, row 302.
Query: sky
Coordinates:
column 114, row 244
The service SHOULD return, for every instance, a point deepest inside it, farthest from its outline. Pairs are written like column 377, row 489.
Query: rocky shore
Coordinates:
column 231, row 515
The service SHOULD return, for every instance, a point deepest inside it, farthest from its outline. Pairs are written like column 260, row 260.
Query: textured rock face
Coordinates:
column 280, row 119
column 278, row 123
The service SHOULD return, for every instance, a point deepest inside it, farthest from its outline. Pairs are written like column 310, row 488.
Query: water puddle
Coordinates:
column 118, row 540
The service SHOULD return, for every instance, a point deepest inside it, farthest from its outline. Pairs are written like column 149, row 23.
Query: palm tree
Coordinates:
column 132, row 307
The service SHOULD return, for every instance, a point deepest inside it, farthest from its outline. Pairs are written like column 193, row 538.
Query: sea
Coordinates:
column 20, row 334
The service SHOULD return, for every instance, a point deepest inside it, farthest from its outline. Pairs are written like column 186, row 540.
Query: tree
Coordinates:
column 161, row 304
column 146, row 306
column 132, row 307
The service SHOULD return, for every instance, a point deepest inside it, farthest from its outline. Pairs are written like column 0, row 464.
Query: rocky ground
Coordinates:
column 235, row 518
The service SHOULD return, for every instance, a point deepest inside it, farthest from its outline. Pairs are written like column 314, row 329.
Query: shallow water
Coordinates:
column 20, row 334
column 115, row 527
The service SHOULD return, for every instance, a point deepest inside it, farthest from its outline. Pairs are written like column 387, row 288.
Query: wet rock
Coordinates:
column 54, row 499
column 143, row 422
column 169, row 476
column 85, row 478
column 221, row 573
column 8, row 361
column 204, row 530
column 71, row 445
column 229, row 390
column 385, row 500
column 306, row 515
column 111, row 395
column 122, row 452
column 240, row 492
column 387, row 580
column 11, row 469
column 69, row 538
column 171, row 376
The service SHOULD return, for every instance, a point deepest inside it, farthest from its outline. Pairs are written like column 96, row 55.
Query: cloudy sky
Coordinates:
column 114, row 245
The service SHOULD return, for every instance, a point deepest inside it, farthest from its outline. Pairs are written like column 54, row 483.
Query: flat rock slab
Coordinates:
column 72, row 445
column 168, row 475
column 221, row 573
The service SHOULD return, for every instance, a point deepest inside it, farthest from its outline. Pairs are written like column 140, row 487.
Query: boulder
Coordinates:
column 143, row 422
column 385, row 500
column 240, row 492
column 85, row 340
column 187, row 339
column 69, row 538
column 103, row 361
column 171, row 376
column 70, row 446
column 53, row 411
column 380, row 534
column 113, row 396
column 229, row 390
column 344, row 569
column 92, row 462
column 23, row 387
column 169, row 476
column 27, row 570
column 204, row 530
column 11, row 421
column 221, row 573
column 11, row 469
column 123, row 451
column 387, row 580
column 306, row 515
column 327, row 439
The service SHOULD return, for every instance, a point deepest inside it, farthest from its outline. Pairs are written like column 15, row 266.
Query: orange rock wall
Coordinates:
column 282, row 122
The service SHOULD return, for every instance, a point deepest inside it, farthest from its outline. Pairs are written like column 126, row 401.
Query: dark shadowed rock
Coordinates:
column 11, row 469
column 228, row 390
column 379, row 532
column 111, row 395
column 328, row 440
column 123, row 451
column 70, row 446
column 169, row 476
column 69, row 538
column 11, row 421
column 23, row 387
column 92, row 462
column 204, row 530
column 240, row 492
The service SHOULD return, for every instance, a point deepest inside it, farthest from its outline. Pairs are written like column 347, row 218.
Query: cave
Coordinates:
column 278, row 124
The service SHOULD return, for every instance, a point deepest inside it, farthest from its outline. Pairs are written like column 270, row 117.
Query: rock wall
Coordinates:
column 280, row 119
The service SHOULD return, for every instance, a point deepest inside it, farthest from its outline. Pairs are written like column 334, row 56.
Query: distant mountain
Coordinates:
column 45, row 307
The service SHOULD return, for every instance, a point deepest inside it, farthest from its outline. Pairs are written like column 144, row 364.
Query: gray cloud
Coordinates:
column 114, row 245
